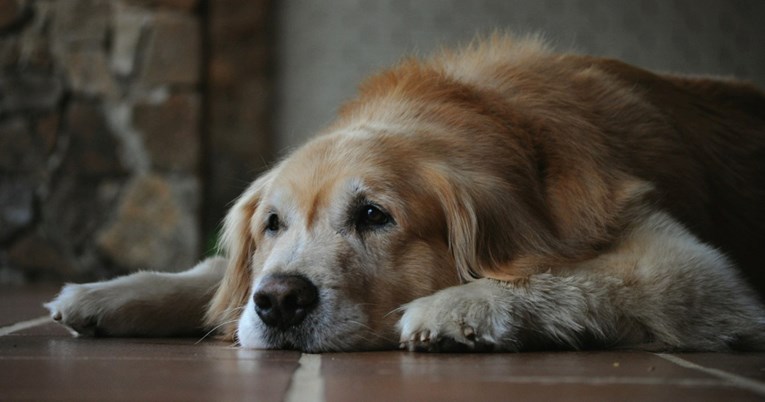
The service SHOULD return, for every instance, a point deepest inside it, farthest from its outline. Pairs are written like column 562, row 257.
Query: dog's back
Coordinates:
column 699, row 141
column 721, row 126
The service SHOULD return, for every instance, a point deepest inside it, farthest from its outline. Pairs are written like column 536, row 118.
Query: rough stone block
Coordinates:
column 16, row 204
column 9, row 52
column 88, row 72
column 170, row 132
column 40, row 257
column 46, row 128
column 35, row 52
column 9, row 12
column 156, row 225
column 34, row 43
column 92, row 147
column 20, row 150
column 173, row 51
column 129, row 25
column 80, row 22
column 76, row 208
column 12, row 15
column 186, row 5
column 28, row 90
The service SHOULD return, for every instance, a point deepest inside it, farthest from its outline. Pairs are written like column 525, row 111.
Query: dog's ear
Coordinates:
column 486, row 226
column 237, row 242
column 503, row 230
column 460, row 222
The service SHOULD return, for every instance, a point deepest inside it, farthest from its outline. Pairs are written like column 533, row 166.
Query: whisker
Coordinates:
column 371, row 331
column 395, row 310
column 208, row 333
column 213, row 330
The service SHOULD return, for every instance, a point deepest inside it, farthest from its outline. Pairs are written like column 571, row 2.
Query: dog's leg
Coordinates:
column 660, row 288
column 141, row 304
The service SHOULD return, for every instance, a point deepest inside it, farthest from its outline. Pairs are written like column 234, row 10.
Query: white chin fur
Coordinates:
column 249, row 330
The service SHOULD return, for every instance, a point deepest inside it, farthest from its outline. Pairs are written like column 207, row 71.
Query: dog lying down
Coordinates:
column 501, row 197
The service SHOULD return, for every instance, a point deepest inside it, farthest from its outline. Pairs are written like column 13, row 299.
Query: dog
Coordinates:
column 497, row 197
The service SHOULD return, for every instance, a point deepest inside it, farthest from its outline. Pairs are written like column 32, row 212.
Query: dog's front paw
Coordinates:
column 474, row 317
column 85, row 309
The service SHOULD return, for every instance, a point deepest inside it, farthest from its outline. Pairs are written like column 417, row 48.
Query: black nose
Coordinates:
column 284, row 300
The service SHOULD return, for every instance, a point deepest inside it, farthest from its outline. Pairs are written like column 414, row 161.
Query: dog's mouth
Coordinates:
column 315, row 336
column 291, row 311
column 293, row 338
column 331, row 323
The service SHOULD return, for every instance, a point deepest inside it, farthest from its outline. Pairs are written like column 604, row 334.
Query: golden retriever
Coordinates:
column 500, row 197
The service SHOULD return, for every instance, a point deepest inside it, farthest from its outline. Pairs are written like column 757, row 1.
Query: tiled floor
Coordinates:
column 41, row 361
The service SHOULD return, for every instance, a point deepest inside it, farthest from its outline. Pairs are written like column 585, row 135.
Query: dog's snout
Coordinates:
column 284, row 300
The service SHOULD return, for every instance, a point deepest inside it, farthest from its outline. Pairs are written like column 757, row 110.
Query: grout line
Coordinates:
column 610, row 380
column 740, row 381
column 19, row 326
column 307, row 384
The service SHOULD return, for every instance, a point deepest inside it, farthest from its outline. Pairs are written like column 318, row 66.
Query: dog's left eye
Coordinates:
column 273, row 223
column 370, row 216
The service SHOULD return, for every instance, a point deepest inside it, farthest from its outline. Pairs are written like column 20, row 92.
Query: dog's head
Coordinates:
column 332, row 241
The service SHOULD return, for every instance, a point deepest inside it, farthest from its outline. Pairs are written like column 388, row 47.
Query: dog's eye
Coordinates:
column 370, row 216
column 273, row 223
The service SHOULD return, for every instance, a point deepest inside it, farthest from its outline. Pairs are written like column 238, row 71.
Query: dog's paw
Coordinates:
column 470, row 318
column 85, row 309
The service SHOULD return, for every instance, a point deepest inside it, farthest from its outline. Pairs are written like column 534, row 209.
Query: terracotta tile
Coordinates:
column 619, row 376
column 201, row 379
column 504, row 365
column 415, row 389
column 46, row 363
column 751, row 365
column 66, row 347
column 47, row 368
column 49, row 329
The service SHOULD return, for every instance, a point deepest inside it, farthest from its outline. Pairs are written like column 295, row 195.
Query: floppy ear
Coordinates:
column 237, row 242
column 461, row 224
column 503, row 231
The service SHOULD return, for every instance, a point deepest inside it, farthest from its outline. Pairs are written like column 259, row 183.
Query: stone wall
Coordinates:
column 100, row 136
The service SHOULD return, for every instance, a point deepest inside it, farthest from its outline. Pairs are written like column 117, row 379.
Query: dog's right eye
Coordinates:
column 370, row 217
column 273, row 223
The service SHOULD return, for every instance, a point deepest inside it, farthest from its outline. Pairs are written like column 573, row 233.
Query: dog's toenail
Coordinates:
column 469, row 333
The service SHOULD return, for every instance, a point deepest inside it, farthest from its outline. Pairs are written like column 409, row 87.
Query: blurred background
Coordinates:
column 128, row 126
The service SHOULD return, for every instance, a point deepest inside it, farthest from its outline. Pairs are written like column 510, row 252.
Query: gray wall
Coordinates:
column 326, row 47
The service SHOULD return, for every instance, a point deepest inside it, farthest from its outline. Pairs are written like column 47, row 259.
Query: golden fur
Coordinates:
column 572, row 180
